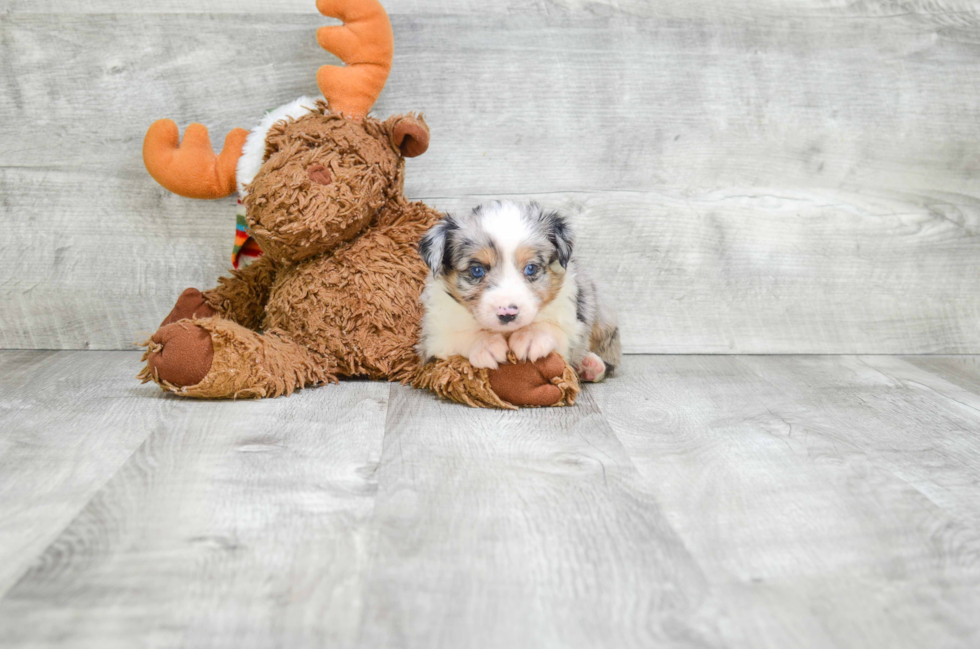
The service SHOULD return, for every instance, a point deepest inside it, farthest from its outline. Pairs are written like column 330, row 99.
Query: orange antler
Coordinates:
column 191, row 168
column 365, row 43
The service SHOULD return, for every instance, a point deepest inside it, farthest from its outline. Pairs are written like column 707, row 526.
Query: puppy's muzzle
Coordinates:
column 506, row 314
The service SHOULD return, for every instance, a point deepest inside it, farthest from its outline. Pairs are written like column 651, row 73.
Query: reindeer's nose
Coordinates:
column 507, row 314
column 319, row 174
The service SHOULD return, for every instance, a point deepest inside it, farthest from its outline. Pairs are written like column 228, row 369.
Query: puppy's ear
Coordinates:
column 560, row 235
column 434, row 246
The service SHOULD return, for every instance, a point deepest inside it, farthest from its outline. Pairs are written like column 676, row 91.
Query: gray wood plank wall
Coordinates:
column 754, row 177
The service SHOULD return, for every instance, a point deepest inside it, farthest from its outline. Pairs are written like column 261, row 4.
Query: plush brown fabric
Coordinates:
column 241, row 364
column 242, row 296
column 294, row 218
column 190, row 304
column 411, row 136
column 455, row 379
column 337, row 291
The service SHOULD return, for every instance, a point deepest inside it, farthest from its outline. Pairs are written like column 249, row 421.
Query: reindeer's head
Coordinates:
column 325, row 174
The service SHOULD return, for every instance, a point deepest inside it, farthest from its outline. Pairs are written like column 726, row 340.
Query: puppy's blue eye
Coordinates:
column 477, row 272
column 530, row 269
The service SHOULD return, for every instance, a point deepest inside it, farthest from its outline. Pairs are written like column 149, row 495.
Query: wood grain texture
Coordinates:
column 521, row 529
column 807, row 490
column 960, row 370
column 786, row 272
column 235, row 524
column 794, row 170
column 68, row 421
column 962, row 12
column 692, row 501
column 902, row 417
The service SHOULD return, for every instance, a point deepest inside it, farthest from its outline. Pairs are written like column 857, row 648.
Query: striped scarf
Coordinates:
column 245, row 250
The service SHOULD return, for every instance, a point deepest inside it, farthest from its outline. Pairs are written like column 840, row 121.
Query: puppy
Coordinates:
column 504, row 278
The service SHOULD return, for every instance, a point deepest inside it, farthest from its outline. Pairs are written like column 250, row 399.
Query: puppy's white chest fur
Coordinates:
column 448, row 328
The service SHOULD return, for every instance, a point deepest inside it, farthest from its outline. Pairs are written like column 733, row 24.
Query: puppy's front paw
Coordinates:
column 591, row 368
column 532, row 343
column 489, row 351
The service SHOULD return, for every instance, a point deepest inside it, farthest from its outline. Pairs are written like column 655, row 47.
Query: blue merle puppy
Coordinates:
column 504, row 279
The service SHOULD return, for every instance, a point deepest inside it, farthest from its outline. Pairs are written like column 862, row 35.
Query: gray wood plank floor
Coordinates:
column 703, row 501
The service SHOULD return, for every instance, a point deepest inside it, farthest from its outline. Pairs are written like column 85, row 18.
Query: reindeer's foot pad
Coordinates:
column 591, row 369
column 190, row 304
column 178, row 355
column 549, row 381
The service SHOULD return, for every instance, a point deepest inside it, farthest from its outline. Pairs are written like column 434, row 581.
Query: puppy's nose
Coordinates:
column 319, row 174
column 507, row 313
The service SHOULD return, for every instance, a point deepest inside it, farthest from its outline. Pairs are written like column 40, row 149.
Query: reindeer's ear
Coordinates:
column 409, row 134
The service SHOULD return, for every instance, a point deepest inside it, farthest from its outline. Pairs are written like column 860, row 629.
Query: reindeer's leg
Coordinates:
column 190, row 304
column 546, row 382
column 240, row 298
column 216, row 358
column 455, row 379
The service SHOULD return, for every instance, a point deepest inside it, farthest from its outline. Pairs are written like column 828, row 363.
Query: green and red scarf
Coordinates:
column 245, row 250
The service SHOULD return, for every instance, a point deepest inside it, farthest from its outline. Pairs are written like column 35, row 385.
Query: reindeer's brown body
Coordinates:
column 337, row 290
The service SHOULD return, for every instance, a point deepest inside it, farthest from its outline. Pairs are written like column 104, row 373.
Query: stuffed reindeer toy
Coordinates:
column 335, row 292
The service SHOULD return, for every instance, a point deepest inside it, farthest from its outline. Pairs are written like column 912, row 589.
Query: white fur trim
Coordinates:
column 253, row 152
